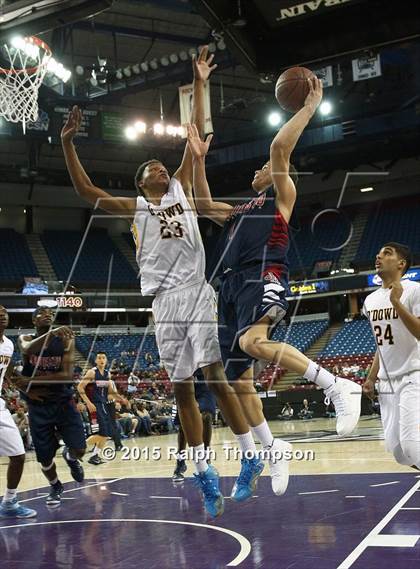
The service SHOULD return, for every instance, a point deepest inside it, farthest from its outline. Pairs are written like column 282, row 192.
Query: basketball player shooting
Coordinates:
column 394, row 314
column 252, row 298
column 171, row 258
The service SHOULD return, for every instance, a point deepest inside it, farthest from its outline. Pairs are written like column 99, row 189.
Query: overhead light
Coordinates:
column 363, row 190
column 154, row 64
column 325, row 108
column 130, row 133
column 93, row 81
column 18, row 42
column 164, row 61
column 24, row 211
column 140, row 127
column 119, row 74
column 158, row 129
column 127, row 71
column 171, row 130
column 144, row 66
column 212, row 47
column 221, row 45
column 173, row 58
column 183, row 55
column 274, row 119
column 136, row 68
column 192, row 51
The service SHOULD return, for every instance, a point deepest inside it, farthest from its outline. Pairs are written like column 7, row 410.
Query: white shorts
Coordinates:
column 399, row 399
column 186, row 329
column 11, row 443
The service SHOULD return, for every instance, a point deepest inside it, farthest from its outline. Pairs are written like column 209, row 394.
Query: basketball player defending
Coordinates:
column 394, row 314
column 252, row 298
column 45, row 384
column 11, row 444
column 99, row 380
column 171, row 259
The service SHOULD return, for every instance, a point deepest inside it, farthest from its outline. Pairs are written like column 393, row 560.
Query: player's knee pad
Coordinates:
column 411, row 450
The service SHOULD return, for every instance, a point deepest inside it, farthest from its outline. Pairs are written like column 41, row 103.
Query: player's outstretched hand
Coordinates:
column 314, row 97
column 198, row 147
column 396, row 292
column 71, row 128
column 202, row 66
column 369, row 389
column 63, row 332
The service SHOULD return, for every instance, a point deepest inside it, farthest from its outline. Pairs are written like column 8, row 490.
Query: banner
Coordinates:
column 326, row 75
column 278, row 12
column 113, row 126
column 366, row 67
column 412, row 275
column 185, row 107
column 88, row 127
column 313, row 287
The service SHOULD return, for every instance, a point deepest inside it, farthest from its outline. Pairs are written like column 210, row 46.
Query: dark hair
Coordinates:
column 101, row 352
column 140, row 171
column 293, row 174
column 403, row 252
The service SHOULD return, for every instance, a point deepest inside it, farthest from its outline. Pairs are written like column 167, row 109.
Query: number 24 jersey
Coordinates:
column 399, row 350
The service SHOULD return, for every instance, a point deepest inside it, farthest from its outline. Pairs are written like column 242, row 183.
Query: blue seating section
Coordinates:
column 94, row 261
column 16, row 259
column 301, row 335
column 308, row 246
column 114, row 344
column 394, row 223
column 353, row 339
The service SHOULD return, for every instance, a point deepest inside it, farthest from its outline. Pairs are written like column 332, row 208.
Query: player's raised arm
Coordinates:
column 284, row 144
column 216, row 211
column 202, row 68
column 81, row 181
column 31, row 345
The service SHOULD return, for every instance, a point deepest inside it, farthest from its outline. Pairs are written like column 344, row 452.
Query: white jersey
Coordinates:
column 6, row 353
column 169, row 249
column 399, row 350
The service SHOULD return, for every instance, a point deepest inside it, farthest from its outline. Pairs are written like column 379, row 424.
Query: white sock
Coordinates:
column 247, row 444
column 319, row 375
column 263, row 434
column 199, row 454
column 95, row 450
column 9, row 495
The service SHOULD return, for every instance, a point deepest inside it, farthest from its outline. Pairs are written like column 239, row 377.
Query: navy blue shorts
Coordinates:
column 205, row 398
column 245, row 297
column 52, row 421
column 103, row 417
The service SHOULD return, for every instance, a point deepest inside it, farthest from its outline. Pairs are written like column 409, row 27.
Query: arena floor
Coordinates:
column 341, row 510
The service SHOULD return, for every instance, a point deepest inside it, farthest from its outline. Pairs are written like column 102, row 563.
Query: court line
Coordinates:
column 317, row 492
column 243, row 542
column 357, row 552
column 167, row 497
column 384, row 484
column 409, row 508
column 355, row 496
column 119, row 494
column 104, row 481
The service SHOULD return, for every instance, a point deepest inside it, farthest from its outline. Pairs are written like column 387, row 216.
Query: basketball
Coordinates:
column 292, row 88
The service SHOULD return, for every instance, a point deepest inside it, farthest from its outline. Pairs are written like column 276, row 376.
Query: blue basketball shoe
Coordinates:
column 208, row 483
column 246, row 482
column 12, row 509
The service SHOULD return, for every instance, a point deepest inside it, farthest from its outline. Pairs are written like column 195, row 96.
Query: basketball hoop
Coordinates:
column 20, row 82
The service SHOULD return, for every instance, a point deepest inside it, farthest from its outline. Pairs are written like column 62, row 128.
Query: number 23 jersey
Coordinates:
column 399, row 350
column 169, row 248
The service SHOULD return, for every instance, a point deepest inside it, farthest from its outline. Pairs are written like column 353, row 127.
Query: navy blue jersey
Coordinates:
column 99, row 387
column 256, row 233
column 47, row 362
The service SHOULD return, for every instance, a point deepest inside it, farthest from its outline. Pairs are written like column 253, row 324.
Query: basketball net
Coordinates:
column 20, row 82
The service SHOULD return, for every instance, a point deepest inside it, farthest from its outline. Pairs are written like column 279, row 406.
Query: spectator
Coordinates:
column 305, row 412
column 286, row 413
column 143, row 416
column 160, row 416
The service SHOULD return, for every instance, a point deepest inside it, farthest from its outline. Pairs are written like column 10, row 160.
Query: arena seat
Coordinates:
column 301, row 335
column 16, row 259
column 63, row 246
column 115, row 344
column 400, row 221
column 354, row 339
